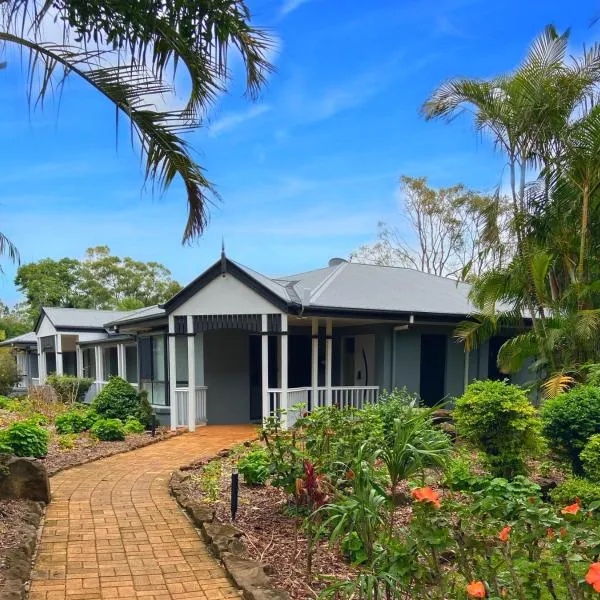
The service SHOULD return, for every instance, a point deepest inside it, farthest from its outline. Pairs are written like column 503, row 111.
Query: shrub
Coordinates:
column 118, row 400
column 26, row 438
column 108, row 430
column 145, row 413
column 254, row 466
column 75, row 421
column 6, row 403
column 67, row 441
column 499, row 419
column 392, row 406
column 576, row 487
column 9, row 374
column 69, row 389
column 132, row 425
column 590, row 458
column 570, row 420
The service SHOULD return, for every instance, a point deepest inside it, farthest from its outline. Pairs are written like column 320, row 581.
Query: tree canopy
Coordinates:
column 101, row 280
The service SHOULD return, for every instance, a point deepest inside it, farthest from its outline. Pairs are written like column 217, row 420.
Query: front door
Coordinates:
column 433, row 368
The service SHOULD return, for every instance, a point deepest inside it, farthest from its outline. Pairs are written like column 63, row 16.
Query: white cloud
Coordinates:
column 290, row 6
column 232, row 120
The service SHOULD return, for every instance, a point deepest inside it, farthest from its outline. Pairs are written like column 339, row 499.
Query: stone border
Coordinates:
column 19, row 560
column 224, row 540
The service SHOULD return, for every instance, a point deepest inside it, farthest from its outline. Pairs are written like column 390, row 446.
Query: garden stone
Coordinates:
column 442, row 415
column 23, row 478
column 449, row 429
column 250, row 577
column 223, row 538
column 199, row 513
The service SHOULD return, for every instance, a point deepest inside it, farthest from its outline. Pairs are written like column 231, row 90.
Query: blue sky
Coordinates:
column 307, row 171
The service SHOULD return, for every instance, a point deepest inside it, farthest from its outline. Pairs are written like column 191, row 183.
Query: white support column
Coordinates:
column 266, row 408
column 41, row 362
column 314, row 377
column 191, row 374
column 99, row 363
column 121, row 361
column 328, row 357
column 79, row 359
column 58, row 354
column 172, row 374
column 284, row 367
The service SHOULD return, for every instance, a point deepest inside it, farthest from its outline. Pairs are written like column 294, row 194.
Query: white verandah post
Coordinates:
column 314, row 378
column 328, row 357
column 172, row 374
column 266, row 409
column 121, row 361
column 41, row 362
column 191, row 374
column 79, row 360
column 99, row 363
column 58, row 354
column 284, row 367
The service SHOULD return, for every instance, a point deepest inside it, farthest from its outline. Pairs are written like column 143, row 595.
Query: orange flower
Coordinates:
column 593, row 576
column 550, row 533
column 426, row 494
column 572, row 509
column 349, row 474
column 504, row 534
column 476, row 589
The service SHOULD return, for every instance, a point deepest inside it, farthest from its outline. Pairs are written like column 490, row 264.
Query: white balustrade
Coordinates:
column 94, row 390
column 201, row 391
column 354, row 396
column 35, row 381
column 182, row 397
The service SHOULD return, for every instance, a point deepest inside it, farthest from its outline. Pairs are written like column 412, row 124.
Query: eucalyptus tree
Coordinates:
column 541, row 118
column 129, row 52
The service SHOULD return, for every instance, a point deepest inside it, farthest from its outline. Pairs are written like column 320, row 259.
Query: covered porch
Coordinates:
column 246, row 367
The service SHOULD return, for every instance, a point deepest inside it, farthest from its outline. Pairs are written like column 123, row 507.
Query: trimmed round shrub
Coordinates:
column 132, row 425
column 108, row 430
column 145, row 413
column 499, row 420
column 590, row 458
column 117, row 400
column 75, row 421
column 570, row 420
column 26, row 438
column 573, row 488
column 69, row 389
column 254, row 466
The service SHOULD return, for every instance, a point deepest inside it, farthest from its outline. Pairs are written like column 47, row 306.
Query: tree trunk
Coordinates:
column 585, row 209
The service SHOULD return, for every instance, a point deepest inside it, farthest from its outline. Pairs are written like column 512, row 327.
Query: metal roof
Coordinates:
column 25, row 339
column 82, row 318
column 148, row 312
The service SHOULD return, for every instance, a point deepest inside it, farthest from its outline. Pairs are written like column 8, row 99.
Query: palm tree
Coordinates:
column 127, row 50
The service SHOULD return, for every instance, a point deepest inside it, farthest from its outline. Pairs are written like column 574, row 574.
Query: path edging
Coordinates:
column 224, row 540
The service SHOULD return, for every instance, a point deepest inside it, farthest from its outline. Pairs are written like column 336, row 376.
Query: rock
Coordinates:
column 250, row 577
column 547, row 484
column 442, row 415
column 449, row 429
column 222, row 538
column 23, row 478
column 199, row 513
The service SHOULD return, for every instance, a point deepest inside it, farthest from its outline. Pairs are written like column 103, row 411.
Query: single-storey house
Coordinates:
column 234, row 345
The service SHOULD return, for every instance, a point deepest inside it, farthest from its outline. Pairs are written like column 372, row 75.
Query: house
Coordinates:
column 241, row 345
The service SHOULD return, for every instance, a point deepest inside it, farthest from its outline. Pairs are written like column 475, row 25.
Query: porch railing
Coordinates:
column 35, row 381
column 182, row 399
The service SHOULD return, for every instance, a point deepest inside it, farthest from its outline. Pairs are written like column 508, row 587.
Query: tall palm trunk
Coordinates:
column 585, row 215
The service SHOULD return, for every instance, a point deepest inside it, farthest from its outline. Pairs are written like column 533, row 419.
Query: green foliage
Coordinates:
column 573, row 488
column 67, row 441
column 391, row 406
column 499, row 419
column 145, row 413
column 69, row 389
column 132, row 425
column 108, row 430
column 14, row 321
column 9, row 374
column 210, row 480
column 6, row 403
column 25, row 438
column 75, row 421
column 590, row 458
column 117, row 400
column 254, row 466
column 570, row 419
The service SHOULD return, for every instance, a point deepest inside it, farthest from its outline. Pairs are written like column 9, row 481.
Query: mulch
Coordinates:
column 87, row 449
column 12, row 515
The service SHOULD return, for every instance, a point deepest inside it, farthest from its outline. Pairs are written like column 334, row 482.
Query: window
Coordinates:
column 153, row 367
column 89, row 362
column 110, row 361
column 131, row 369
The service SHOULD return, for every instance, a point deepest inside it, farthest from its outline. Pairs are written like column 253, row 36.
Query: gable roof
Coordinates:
column 79, row 318
column 141, row 314
column 25, row 339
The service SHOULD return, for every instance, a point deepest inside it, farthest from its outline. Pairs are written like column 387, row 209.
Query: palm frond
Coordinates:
column 7, row 248
column 557, row 384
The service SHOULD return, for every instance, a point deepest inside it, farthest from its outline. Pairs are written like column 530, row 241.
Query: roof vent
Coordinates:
column 334, row 262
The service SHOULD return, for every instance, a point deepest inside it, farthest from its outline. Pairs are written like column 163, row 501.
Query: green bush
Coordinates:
column 25, row 438
column 145, row 413
column 9, row 374
column 132, row 425
column 118, row 400
column 75, row 421
column 391, row 406
column 69, row 389
column 6, row 403
column 570, row 420
column 590, row 458
column 499, row 419
column 254, row 466
column 67, row 441
column 569, row 490
column 108, row 430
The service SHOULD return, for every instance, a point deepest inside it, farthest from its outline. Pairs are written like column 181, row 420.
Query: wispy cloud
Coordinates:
column 232, row 120
column 290, row 6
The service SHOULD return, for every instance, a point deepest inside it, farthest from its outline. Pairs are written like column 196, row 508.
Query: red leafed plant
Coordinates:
column 311, row 489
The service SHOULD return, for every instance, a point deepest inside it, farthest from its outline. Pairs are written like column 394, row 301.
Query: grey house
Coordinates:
column 235, row 345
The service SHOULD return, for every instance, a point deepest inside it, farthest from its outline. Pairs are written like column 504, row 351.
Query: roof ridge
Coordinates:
column 411, row 269
column 327, row 281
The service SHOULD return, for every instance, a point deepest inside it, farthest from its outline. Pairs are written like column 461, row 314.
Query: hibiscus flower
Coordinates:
column 426, row 494
column 504, row 534
column 593, row 576
column 476, row 589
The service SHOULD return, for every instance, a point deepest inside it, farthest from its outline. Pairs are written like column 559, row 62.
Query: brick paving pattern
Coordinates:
column 113, row 531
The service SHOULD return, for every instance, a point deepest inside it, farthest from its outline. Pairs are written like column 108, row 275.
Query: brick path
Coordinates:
column 113, row 531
